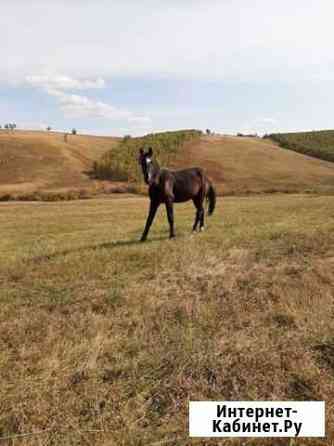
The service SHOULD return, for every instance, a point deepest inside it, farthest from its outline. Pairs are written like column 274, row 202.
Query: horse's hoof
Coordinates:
column 202, row 229
column 143, row 239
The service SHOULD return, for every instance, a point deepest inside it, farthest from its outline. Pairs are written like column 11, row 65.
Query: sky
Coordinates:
column 129, row 67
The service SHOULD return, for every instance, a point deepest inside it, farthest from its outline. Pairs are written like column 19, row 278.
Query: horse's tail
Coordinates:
column 211, row 197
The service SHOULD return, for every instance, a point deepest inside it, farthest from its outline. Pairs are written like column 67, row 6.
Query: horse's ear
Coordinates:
column 150, row 151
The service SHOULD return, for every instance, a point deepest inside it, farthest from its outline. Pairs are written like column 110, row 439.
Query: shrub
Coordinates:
column 317, row 144
column 120, row 163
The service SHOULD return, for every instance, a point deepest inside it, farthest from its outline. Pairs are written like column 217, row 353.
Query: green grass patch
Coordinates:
column 319, row 144
column 121, row 163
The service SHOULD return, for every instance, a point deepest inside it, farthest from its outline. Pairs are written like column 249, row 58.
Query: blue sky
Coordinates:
column 120, row 67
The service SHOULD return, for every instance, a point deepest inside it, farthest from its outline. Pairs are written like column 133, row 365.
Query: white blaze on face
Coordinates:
column 149, row 174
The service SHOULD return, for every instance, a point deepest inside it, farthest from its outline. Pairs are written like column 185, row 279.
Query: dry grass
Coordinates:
column 42, row 161
column 103, row 340
column 39, row 165
column 254, row 165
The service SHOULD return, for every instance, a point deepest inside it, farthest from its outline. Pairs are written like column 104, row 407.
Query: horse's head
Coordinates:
column 147, row 164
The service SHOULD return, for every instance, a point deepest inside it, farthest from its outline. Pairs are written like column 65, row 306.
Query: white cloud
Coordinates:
column 77, row 106
column 257, row 43
column 243, row 40
column 80, row 106
column 50, row 82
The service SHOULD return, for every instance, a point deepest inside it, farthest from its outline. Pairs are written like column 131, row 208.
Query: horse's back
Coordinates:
column 191, row 171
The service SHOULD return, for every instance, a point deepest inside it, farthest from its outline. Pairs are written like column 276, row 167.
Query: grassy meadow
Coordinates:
column 104, row 340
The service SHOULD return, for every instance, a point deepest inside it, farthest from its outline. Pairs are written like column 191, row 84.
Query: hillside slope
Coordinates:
column 319, row 144
column 40, row 161
column 43, row 162
column 245, row 165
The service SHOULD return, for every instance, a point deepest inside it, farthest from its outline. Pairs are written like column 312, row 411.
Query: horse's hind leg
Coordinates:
column 201, row 205
column 199, row 218
column 170, row 216
column 199, row 201
column 196, row 216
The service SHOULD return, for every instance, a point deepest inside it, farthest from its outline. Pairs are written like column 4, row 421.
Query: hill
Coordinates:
column 120, row 163
column 247, row 165
column 42, row 161
column 319, row 144
column 33, row 163
column 236, row 165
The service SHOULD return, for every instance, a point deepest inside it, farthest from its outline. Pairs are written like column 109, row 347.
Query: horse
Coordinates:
column 175, row 186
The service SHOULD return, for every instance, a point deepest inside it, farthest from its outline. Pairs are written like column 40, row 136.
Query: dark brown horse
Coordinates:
column 169, row 187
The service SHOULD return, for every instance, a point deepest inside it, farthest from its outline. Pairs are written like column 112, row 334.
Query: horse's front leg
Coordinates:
column 170, row 216
column 153, row 209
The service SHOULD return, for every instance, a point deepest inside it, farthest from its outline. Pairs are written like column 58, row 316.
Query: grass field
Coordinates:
column 103, row 340
column 319, row 144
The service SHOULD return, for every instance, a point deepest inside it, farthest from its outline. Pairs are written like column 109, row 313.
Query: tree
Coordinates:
column 48, row 128
column 11, row 126
column 74, row 131
column 208, row 132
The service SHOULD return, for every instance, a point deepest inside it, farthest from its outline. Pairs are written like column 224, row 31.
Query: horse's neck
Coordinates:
column 156, row 173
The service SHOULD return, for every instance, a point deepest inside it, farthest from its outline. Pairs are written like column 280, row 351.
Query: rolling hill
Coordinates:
column 253, row 165
column 41, row 162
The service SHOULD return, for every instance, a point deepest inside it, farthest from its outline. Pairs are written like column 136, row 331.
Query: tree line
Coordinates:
column 9, row 126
